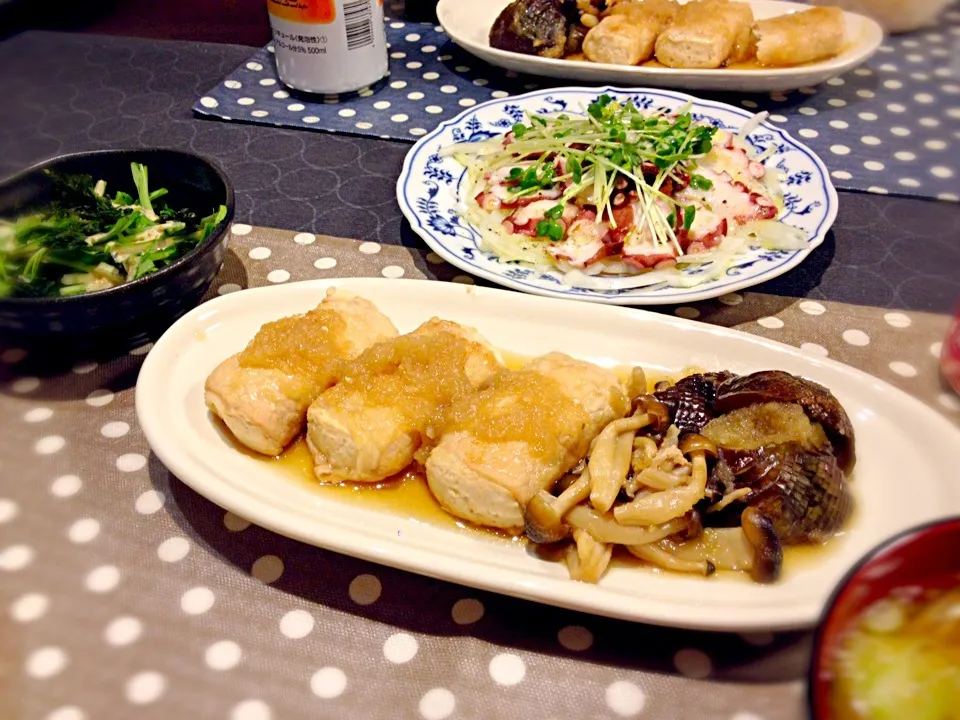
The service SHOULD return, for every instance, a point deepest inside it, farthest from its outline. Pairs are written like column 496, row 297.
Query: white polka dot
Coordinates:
column 897, row 320
column 296, row 107
column 467, row 611
column 948, row 197
column 941, row 172
column 778, row 97
column 197, row 601
column 267, row 82
column 381, row 105
column 29, row 607
column 365, row 93
column 13, row 356
column 625, row 699
column 267, row 569
column 415, row 96
column 115, row 429
column 8, row 510
column 259, row 253
column 575, row 637
column 870, row 140
column 37, row 415
column 66, row 486
column 83, row 531
column 398, row 85
column 149, row 502
column 814, row 349
column 839, row 149
column 245, row 101
column 808, row 133
column 432, row 76
column 400, row 648
column 428, row 48
column 837, row 102
column 924, row 98
column 434, row 109
column 173, row 549
column 223, row 655
column 123, row 631
column 103, row 579
column 396, row 25
column 745, row 716
column 812, row 307
column 131, row 462
column 369, row 248
column 254, row 66
column 856, row 337
column 49, row 445
column 877, row 190
column 481, row 82
column 868, row 116
column 434, row 259
column 232, row 84
column 365, row 589
column 866, row 94
column 896, row 108
column 16, row 557
column 935, row 145
column 905, row 155
column 689, row 313
column 392, row 271
column 417, row 131
column 363, row 125
column 146, row 687
column 304, row 238
column 771, row 323
column 873, row 165
column 328, row 683
column 67, row 712
column 259, row 113
column 693, row 663
column 251, row 710
column 296, row 624
column 399, row 118
column 310, row 119
column 507, row 669
column 731, row 299
column 325, row 263
column 892, row 84
column 46, row 662
column 87, row 366
column 949, row 401
column 836, row 81
column 841, row 175
column 281, row 94
column 437, row 704
column 24, row 385
column 412, row 37
column 903, row 369
column 241, row 229
column 758, row 639
column 142, row 350
column 900, row 131
column 808, row 111
column 208, row 102
column 463, row 280
column 278, row 276
column 936, row 349
column 467, row 102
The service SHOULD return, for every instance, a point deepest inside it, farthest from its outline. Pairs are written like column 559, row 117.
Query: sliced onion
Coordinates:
column 752, row 124
column 772, row 235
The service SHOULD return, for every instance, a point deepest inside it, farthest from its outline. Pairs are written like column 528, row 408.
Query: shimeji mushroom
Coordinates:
column 543, row 516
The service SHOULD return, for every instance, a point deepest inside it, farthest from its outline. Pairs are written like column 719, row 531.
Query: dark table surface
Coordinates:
column 64, row 92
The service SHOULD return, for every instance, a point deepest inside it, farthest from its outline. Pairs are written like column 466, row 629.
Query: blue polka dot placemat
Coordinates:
column 890, row 126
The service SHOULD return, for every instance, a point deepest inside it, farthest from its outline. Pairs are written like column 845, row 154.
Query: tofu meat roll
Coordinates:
column 706, row 34
column 519, row 435
column 262, row 393
column 370, row 425
column 629, row 32
column 801, row 37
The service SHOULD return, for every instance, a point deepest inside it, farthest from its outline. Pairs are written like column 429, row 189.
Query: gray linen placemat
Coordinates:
column 124, row 594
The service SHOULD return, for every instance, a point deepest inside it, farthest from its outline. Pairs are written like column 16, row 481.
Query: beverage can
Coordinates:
column 950, row 354
column 328, row 46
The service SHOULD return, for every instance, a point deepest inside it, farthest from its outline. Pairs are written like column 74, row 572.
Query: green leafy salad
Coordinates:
column 84, row 240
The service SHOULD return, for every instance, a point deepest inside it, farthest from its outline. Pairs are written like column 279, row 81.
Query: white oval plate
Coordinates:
column 469, row 23
column 900, row 443
column 430, row 185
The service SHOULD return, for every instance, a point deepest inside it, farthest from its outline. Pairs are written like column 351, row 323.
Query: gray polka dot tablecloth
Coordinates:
column 124, row 594
column 891, row 126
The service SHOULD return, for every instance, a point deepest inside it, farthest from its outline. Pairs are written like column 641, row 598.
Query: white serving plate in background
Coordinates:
column 907, row 453
column 468, row 23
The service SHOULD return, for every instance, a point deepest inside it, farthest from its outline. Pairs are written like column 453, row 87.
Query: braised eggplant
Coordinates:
column 691, row 399
column 531, row 27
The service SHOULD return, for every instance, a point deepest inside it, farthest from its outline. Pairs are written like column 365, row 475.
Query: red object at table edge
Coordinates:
column 925, row 556
column 950, row 354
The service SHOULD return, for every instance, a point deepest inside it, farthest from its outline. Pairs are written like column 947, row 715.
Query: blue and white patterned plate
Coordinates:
column 429, row 186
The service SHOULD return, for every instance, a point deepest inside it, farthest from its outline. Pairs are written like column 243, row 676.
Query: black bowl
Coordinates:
column 137, row 312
